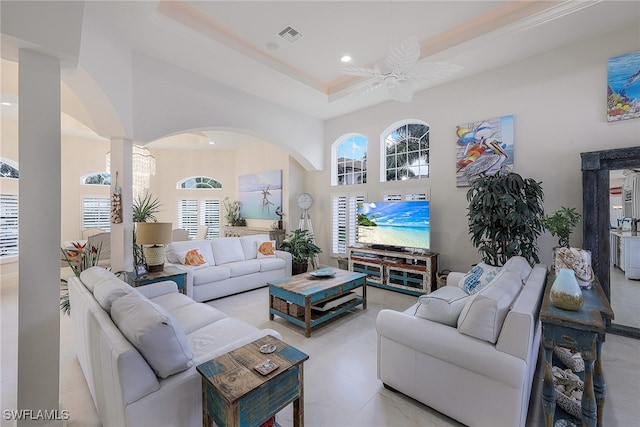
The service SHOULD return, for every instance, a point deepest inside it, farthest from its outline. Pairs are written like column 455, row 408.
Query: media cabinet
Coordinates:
column 412, row 273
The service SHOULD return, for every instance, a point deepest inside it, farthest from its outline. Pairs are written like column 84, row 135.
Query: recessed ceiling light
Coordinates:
column 345, row 58
column 211, row 143
column 6, row 103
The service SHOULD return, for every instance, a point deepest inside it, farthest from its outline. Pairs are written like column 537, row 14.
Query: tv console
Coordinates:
column 412, row 273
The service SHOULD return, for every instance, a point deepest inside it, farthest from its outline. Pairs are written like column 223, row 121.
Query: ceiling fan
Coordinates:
column 401, row 69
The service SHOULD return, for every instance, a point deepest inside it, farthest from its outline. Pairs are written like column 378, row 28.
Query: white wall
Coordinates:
column 559, row 103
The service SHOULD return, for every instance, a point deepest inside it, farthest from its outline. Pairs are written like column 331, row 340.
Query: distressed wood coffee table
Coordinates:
column 305, row 290
column 235, row 394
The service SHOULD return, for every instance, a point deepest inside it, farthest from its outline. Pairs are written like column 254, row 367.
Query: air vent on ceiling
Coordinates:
column 290, row 34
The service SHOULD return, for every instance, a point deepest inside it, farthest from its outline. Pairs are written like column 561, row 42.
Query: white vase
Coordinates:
column 565, row 291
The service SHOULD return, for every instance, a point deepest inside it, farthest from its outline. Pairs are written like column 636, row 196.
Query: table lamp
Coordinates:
column 155, row 234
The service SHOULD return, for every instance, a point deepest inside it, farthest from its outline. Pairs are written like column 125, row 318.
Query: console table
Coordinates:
column 238, row 231
column 582, row 331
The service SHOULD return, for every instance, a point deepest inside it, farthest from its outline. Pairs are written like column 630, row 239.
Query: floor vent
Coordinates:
column 290, row 34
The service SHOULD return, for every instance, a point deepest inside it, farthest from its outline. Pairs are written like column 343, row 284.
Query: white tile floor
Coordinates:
column 625, row 299
column 341, row 388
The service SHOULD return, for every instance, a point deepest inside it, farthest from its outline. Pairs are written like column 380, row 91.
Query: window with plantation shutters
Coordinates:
column 344, row 221
column 188, row 216
column 8, row 225
column 194, row 212
column 96, row 213
column 408, row 195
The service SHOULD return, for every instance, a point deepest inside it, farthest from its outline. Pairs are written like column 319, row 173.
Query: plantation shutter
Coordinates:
column 210, row 216
column 345, row 222
column 188, row 216
column 96, row 213
column 8, row 225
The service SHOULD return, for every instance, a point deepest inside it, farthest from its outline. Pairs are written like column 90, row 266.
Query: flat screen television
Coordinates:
column 394, row 225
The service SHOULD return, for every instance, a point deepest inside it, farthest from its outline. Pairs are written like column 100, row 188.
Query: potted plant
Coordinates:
column 299, row 243
column 505, row 217
column 144, row 210
column 233, row 211
column 561, row 224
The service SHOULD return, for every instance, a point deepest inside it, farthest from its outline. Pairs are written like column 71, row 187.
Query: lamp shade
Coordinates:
column 153, row 233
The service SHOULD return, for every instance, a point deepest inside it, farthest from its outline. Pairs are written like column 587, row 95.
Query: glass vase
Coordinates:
column 565, row 291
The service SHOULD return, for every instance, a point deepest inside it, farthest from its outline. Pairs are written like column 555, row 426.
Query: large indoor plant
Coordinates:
column 561, row 224
column 301, row 245
column 144, row 210
column 505, row 217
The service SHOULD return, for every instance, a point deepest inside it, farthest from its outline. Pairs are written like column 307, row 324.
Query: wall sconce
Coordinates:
column 156, row 235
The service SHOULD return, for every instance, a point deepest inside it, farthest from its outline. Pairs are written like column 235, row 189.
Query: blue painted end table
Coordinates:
column 583, row 331
column 169, row 273
column 235, row 394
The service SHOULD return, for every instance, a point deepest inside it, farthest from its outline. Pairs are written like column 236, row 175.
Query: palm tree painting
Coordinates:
column 483, row 148
column 407, row 152
column 259, row 195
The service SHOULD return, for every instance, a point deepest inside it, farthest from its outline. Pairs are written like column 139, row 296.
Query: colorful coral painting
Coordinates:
column 483, row 148
column 623, row 87
column 260, row 194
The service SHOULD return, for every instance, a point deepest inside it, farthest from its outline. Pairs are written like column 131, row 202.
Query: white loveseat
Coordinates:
column 233, row 265
column 139, row 348
column 480, row 370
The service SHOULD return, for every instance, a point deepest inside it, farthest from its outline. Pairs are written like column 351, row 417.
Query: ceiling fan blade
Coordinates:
column 425, row 70
column 358, row 71
column 405, row 55
column 401, row 91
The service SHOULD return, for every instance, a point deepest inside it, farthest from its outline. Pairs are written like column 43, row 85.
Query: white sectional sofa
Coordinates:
column 139, row 348
column 471, row 357
column 232, row 265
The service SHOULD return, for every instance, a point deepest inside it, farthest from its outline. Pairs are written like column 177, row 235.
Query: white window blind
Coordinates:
column 188, row 216
column 96, row 213
column 210, row 216
column 344, row 221
column 408, row 196
column 8, row 225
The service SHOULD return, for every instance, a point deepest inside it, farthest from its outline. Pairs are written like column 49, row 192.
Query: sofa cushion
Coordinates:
column 174, row 249
column 193, row 258
column 478, row 277
column 227, row 249
column 250, row 244
column 243, row 268
column 518, row 265
column 484, row 313
column 154, row 332
column 194, row 316
column 210, row 274
column 107, row 291
column 270, row 264
column 443, row 305
column 92, row 275
column 266, row 249
column 172, row 301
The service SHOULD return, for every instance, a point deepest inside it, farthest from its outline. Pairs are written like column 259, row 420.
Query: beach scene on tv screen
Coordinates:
column 403, row 224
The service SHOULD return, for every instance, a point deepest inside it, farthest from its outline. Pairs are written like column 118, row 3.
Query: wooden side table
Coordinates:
column 582, row 331
column 169, row 273
column 235, row 394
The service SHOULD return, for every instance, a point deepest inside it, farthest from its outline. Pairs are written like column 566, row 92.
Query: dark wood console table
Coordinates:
column 582, row 331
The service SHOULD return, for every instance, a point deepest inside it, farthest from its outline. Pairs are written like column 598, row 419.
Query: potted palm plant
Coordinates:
column 300, row 244
column 505, row 217
column 561, row 224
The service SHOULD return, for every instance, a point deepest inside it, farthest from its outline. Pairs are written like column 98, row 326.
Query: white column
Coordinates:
column 122, row 234
column 39, row 234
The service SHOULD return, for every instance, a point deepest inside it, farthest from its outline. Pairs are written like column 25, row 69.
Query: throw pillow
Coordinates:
column 443, row 306
column 154, row 332
column 478, row 277
column 107, row 291
column 193, row 257
column 484, row 312
column 266, row 249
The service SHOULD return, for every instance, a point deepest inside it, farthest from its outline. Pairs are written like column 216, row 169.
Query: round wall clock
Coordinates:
column 305, row 201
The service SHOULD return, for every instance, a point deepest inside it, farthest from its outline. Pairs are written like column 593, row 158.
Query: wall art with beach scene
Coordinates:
column 483, row 148
column 623, row 87
column 260, row 194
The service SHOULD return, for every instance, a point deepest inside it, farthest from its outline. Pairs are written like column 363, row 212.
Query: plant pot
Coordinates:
column 299, row 268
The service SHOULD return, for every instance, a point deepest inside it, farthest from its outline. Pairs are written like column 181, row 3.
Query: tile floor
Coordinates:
column 341, row 388
column 625, row 299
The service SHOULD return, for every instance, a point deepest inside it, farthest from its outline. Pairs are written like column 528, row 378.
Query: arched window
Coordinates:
column 198, row 182
column 8, row 169
column 98, row 178
column 405, row 151
column 349, row 160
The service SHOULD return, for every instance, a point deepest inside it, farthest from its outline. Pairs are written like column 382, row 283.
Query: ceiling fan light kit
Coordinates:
column 400, row 70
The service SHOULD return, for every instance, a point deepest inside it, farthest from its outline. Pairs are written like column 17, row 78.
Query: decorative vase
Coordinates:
column 565, row 291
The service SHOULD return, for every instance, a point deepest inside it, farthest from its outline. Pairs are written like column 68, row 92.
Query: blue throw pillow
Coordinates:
column 478, row 277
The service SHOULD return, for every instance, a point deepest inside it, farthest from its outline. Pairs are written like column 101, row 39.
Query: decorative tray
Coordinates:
column 324, row 272
column 266, row 367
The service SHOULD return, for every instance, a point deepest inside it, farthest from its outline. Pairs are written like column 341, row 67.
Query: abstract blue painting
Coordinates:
column 260, row 194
